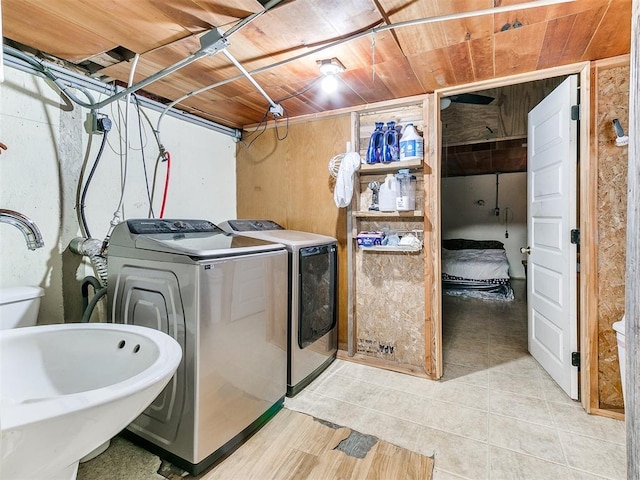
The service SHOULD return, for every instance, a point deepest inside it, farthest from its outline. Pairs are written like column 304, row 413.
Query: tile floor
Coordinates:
column 494, row 415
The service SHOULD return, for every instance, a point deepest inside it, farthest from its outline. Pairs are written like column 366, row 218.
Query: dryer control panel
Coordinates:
column 154, row 225
column 250, row 225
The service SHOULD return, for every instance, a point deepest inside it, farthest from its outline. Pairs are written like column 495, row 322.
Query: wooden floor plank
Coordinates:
column 295, row 446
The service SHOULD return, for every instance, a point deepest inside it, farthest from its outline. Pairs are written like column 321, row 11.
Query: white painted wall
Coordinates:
column 462, row 217
column 39, row 178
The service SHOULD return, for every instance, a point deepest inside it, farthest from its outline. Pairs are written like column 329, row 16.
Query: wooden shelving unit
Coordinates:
column 387, row 283
column 390, row 167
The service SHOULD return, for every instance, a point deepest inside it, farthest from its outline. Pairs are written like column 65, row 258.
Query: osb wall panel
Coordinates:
column 612, row 102
column 288, row 181
column 390, row 301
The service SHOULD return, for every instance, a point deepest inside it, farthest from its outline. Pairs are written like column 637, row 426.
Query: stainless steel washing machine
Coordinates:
column 223, row 297
column 312, row 333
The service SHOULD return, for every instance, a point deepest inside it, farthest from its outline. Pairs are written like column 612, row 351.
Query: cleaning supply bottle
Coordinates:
column 391, row 144
column 387, row 194
column 405, row 191
column 411, row 144
column 374, row 152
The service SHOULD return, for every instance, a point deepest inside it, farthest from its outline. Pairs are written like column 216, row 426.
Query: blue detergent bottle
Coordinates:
column 374, row 152
column 391, row 144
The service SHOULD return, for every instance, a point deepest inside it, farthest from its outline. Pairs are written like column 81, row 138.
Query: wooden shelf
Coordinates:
column 374, row 214
column 367, row 168
column 392, row 248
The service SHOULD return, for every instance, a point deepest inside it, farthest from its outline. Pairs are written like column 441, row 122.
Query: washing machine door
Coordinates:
column 151, row 298
column 317, row 288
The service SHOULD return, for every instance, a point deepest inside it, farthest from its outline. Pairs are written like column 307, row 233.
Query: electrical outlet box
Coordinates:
column 91, row 123
column 97, row 123
column 277, row 110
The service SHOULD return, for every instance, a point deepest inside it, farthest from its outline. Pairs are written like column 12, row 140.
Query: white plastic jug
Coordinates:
column 387, row 194
column 406, row 191
column 411, row 144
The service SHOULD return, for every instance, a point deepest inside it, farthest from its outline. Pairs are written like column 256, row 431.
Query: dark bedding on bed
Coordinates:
column 464, row 244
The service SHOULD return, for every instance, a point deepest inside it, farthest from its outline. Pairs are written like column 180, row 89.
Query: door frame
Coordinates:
column 587, row 209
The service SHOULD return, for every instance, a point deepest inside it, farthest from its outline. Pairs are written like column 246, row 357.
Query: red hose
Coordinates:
column 166, row 186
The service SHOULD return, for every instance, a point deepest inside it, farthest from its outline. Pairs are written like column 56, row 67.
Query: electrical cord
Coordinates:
column 286, row 131
column 106, row 127
column 507, row 210
column 264, row 129
column 144, row 163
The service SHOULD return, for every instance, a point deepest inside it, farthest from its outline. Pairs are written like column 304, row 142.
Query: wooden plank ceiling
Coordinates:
column 101, row 37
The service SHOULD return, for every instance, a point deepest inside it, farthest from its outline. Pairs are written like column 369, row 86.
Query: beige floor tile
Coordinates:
column 524, row 437
column 504, row 382
column 534, row 410
column 508, row 465
column 575, row 474
column 350, row 390
column 480, row 335
column 306, row 401
column 366, row 373
column 466, row 358
column 391, row 429
column 452, row 418
column 403, row 405
column 440, row 474
column 508, row 340
column 459, row 342
column 554, row 394
column 339, row 412
column 525, row 366
column 455, row 454
column 474, row 375
column 513, row 350
column 576, row 420
column 423, row 387
column 462, row 394
column 332, row 370
column 594, row 456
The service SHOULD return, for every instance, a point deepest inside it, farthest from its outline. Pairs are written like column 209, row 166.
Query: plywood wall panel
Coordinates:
column 390, row 301
column 288, row 181
column 612, row 102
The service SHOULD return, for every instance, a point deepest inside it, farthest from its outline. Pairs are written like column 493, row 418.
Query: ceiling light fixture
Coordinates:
column 330, row 68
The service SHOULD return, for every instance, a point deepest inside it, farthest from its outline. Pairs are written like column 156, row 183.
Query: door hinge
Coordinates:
column 575, row 359
column 575, row 112
column 575, row 236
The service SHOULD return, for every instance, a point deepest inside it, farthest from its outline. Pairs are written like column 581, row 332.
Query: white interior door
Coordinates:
column 552, row 269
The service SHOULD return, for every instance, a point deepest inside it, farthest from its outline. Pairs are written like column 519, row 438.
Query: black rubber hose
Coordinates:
column 92, row 304
column 84, row 288
column 85, row 226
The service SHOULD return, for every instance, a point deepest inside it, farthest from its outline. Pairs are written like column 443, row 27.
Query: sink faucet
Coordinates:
column 29, row 229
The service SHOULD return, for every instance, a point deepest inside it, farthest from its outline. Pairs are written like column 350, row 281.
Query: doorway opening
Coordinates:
column 483, row 206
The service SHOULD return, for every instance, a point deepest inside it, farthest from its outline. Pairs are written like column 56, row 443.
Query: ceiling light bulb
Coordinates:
column 329, row 69
column 329, row 84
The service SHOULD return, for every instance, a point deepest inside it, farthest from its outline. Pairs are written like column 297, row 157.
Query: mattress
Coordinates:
column 471, row 269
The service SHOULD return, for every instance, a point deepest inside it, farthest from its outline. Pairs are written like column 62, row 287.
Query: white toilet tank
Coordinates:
column 19, row 306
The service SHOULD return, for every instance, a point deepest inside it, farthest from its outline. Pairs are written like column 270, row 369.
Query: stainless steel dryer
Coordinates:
column 312, row 337
column 223, row 297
